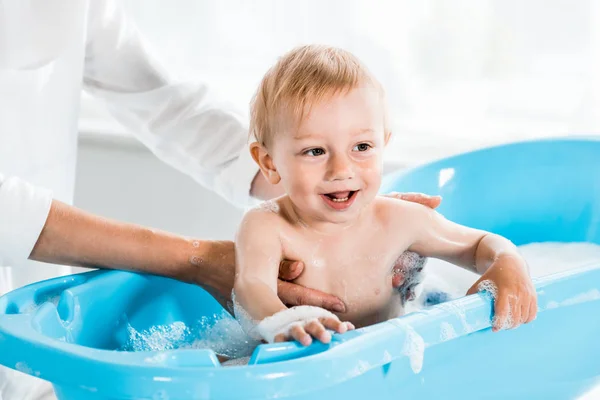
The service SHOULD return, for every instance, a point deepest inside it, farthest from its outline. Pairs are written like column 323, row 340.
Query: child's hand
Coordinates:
column 515, row 299
column 303, row 332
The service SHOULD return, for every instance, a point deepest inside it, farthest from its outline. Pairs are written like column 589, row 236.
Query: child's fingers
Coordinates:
column 280, row 338
column 300, row 335
column 501, row 311
column 317, row 330
column 525, row 306
column 421, row 198
column 515, row 306
column 532, row 310
column 334, row 324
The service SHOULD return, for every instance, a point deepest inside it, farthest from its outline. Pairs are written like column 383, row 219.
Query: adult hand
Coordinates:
column 295, row 295
column 420, row 198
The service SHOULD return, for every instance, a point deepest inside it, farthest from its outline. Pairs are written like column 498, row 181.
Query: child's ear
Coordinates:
column 388, row 135
column 265, row 162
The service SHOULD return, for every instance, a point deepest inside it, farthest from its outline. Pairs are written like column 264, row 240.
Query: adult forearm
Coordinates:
column 75, row 237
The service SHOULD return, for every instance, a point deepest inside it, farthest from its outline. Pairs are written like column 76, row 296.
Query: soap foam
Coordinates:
column 269, row 205
column 489, row 288
column 447, row 332
column 414, row 349
column 222, row 334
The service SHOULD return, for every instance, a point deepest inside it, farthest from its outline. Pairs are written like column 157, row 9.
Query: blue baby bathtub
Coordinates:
column 72, row 331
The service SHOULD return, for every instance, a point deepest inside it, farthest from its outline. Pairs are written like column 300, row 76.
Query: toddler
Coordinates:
column 320, row 122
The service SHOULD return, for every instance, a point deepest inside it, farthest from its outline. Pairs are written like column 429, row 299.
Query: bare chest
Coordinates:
column 357, row 269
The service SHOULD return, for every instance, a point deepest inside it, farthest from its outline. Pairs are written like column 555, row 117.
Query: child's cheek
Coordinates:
column 372, row 171
column 304, row 180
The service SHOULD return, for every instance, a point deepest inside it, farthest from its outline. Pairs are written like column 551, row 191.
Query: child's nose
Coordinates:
column 340, row 168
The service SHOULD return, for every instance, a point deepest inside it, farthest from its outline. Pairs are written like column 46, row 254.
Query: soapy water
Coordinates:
column 226, row 337
column 33, row 307
column 221, row 333
column 444, row 281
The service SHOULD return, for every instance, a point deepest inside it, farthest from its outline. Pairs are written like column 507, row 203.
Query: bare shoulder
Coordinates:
column 268, row 212
column 273, row 206
column 263, row 219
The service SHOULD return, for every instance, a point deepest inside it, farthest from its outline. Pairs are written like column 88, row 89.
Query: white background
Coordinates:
column 460, row 74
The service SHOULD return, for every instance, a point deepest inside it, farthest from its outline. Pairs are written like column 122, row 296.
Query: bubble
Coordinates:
column 488, row 287
column 22, row 366
column 158, row 338
column 459, row 311
column 196, row 260
column 221, row 333
column 411, row 265
column 269, row 205
column 447, row 332
column 506, row 324
column 226, row 337
column 247, row 323
column 196, row 243
column 414, row 349
column 237, row 362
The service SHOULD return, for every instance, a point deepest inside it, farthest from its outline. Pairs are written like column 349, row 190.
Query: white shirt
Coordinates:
column 90, row 44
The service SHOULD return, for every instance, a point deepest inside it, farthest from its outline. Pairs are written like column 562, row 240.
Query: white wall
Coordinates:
column 118, row 178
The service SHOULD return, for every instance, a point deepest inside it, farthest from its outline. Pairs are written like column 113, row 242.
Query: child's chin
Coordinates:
column 346, row 215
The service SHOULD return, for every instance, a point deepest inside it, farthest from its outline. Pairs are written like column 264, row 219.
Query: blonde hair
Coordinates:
column 301, row 78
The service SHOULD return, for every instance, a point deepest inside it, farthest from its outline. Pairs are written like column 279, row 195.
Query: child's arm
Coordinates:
column 262, row 314
column 492, row 256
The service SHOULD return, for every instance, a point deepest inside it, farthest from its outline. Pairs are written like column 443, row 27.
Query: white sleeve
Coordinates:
column 23, row 213
column 182, row 123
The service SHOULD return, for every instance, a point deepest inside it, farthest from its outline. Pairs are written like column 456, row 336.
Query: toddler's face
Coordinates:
column 331, row 165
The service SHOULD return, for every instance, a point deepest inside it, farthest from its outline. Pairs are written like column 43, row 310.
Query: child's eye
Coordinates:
column 315, row 152
column 361, row 147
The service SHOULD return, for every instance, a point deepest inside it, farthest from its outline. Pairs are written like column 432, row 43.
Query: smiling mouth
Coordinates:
column 340, row 197
column 340, row 200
